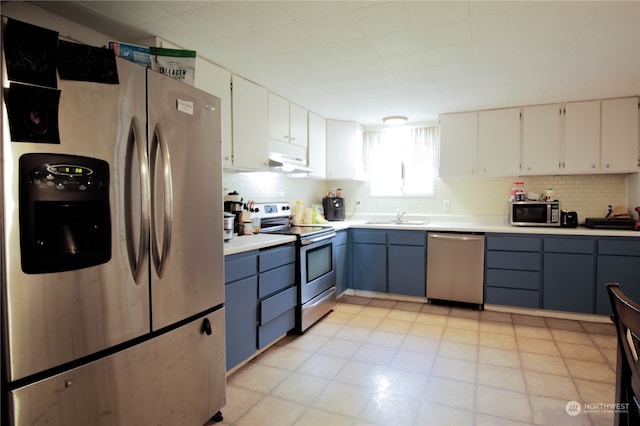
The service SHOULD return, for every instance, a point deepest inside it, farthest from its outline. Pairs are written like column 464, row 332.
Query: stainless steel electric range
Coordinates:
column 315, row 272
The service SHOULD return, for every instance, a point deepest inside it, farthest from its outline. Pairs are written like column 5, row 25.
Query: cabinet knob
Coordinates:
column 607, row 166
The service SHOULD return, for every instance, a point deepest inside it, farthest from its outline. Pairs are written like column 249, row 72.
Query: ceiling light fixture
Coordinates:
column 394, row 120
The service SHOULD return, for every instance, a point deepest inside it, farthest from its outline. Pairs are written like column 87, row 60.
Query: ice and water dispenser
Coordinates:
column 65, row 220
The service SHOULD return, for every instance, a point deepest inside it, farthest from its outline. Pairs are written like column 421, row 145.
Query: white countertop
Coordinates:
column 475, row 224
column 241, row 243
column 483, row 224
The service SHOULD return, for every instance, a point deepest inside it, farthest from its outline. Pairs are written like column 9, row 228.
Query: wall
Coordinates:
column 588, row 195
column 271, row 186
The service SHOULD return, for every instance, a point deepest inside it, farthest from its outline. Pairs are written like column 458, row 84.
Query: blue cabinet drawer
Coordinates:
column 513, row 260
column 241, row 265
column 407, row 238
column 529, row 280
column 511, row 243
column 278, row 304
column 570, row 245
column 369, row 236
column 620, row 246
column 279, row 326
column 341, row 238
column 276, row 279
column 278, row 256
column 513, row 297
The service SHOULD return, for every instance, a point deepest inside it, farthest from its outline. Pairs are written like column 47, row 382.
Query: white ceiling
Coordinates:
column 363, row 60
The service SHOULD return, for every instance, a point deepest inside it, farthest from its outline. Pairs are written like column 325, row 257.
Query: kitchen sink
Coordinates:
column 397, row 222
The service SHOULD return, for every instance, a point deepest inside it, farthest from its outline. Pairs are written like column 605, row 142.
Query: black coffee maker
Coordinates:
column 333, row 208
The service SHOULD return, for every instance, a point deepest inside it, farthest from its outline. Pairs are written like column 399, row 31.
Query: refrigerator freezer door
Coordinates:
column 54, row 318
column 185, row 155
column 175, row 379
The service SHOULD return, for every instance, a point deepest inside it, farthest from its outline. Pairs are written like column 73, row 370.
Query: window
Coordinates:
column 401, row 160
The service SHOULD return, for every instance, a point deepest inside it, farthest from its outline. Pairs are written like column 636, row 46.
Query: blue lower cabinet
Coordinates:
column 370, row 267
column 569, row 282
column 513, row 270
column 624, row 270
column 277, row 316
column 513, row 297
column 269, row 332
column 389, row 261
column 618, row 262
column 407, row 270
column 241, row 318
column 341, row 261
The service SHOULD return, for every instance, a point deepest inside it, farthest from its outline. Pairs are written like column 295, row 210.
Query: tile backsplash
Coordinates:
column 589, row 195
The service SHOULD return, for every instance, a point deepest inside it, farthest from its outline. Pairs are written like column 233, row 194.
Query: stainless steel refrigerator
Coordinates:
column 112, row 245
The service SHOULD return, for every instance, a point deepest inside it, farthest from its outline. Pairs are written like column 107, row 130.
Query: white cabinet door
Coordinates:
column 499, row 142
column 619, row 146
column 344, row 150
column 317, row 146
column 250, row 125
column 581, row 137
column 458, row 144
column 278, row 118
column 298, row 126
column 217, row 81
column 541, row 140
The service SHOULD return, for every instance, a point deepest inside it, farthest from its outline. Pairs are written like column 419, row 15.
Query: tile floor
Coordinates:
column 382, row 362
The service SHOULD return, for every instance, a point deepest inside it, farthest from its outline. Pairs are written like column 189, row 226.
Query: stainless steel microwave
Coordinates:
column 534, row 213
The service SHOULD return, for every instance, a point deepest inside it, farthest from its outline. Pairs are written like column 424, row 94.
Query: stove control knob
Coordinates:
column 285, row 207
column 255, row 210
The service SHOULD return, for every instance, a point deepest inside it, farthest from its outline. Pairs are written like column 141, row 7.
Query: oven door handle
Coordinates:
column 309, row 241
column 330, row 293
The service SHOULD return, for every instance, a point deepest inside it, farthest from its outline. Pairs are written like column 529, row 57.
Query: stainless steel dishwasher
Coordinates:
column 455, row 267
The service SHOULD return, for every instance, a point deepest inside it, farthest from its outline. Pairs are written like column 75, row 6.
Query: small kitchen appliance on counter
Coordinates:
column 568, row 219
column 616, row 218
column 333, row 208
column 228, row 228
column 316, row 275
column 534, row 213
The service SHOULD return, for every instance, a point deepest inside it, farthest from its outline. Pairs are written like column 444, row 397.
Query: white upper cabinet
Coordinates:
column 499, row 142
column 619, row 148
column 458, row 144
column 250, row 125
column 287, row 121
column 581, row 153
column 298, row 126
column 344, row 150
column 541, row 140
column 581, row 137
column 317, row 146
column 278, row 118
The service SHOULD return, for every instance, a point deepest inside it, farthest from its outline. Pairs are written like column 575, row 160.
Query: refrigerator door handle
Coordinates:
column 136, row 141
column 159, row 143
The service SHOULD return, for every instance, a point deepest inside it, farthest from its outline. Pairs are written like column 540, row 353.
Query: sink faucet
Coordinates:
column 399, row 215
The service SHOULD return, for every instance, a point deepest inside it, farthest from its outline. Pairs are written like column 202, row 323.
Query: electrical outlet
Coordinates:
column 446, row 205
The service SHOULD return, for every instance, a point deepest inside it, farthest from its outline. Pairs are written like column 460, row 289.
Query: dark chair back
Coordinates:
column 626, row 317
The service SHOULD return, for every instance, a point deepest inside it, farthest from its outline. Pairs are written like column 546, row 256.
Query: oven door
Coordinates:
column 317, row 272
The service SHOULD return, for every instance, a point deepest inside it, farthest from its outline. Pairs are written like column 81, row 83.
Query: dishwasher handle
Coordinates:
column 456, row 237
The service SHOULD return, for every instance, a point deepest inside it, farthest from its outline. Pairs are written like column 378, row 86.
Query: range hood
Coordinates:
column 288, row 158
